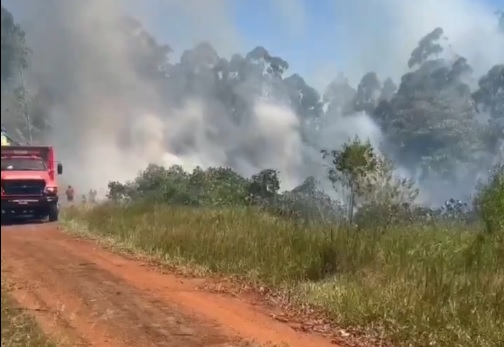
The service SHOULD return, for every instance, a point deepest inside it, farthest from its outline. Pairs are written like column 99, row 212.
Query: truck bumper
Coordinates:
column 39, row 206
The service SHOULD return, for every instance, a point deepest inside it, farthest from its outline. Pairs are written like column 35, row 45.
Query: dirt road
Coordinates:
column 86, row 296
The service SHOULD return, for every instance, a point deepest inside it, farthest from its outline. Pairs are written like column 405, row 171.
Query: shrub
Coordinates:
column 489, row 202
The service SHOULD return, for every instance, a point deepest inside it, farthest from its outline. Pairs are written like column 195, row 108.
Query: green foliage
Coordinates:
column 16, row 102
column 264, row 185
column 382, row 198
column 388, row 187
column 214, row 187
column 389, row 201
column 222, row 187
column 14, row 49
column 352, row 165
column 489, row 201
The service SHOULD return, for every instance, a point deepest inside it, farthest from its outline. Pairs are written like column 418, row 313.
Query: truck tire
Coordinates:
column 53, row 213
column 6, row 220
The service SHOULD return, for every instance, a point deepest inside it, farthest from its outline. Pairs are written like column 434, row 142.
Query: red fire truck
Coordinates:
column 29, row 182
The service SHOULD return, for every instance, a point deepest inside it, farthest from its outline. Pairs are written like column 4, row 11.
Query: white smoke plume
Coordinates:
column 109, row 123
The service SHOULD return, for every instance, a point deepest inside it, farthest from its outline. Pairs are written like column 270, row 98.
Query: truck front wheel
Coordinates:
column 53, row 213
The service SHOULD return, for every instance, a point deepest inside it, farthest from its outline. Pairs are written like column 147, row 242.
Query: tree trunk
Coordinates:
column 351, row 204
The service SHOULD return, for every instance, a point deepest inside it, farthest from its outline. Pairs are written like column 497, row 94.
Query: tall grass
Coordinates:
column 423, row 285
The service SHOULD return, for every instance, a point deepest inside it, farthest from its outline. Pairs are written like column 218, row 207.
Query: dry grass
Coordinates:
column 423, row 286
column 19, row 329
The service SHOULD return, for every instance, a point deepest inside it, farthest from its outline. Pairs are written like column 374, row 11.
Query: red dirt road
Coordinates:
column 86, row 296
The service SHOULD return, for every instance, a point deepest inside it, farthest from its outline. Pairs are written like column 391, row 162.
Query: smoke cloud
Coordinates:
column 109, row 122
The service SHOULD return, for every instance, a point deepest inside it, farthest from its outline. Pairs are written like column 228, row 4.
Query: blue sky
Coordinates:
column 314, row 39
column 300, row 49
column 256, row 22
column 322, row 17
column 322, row 43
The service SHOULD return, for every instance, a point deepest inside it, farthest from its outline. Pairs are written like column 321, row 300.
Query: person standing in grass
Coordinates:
column 70, row 194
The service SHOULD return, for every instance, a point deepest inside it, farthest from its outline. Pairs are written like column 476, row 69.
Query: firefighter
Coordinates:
column 70, row 194
column 92, row 196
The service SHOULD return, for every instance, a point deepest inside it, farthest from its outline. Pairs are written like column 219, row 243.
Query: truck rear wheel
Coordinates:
column 53, row 213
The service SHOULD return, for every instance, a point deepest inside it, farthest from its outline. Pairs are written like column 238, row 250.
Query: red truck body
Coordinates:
column 29, row 182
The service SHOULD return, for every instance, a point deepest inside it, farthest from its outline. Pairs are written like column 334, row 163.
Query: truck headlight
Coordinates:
column 51, row 190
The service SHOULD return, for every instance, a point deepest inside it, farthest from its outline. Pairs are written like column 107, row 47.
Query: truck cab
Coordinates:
column 29, row 182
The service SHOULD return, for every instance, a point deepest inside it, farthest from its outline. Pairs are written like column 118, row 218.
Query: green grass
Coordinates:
column 425, row 285
column 18, row 328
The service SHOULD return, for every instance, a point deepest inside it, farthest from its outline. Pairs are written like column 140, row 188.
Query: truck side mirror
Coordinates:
column 60, row 168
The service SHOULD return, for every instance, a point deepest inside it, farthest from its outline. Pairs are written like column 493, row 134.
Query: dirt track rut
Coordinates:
column 86, row 296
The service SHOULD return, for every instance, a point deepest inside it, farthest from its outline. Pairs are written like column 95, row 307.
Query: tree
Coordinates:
column 150, row 58
column 353, row 167
column 339, row 96
column 389, row 188
column 389, row 198
column 17, row 115
column 14, row 62
column 427, row 47
column 388, row 90
column 198, row 68
column 368, row 93
column 490, row 95
column 489, row 201
column 430, row 122
column 264, row 185
column 273, row 65
column 311, row 204
column 14, row 49
column 305, row 100
column 489, row 98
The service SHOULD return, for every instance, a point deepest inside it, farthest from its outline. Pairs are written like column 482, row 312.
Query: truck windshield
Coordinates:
column 23, row 164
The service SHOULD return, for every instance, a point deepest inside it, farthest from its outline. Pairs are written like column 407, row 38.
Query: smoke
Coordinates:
column 380, row 35
column 109, row 123
column 208, row 142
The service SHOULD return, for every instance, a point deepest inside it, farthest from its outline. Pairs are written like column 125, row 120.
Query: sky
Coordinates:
column 316, row 37
column 286, row 28
column 319, row 38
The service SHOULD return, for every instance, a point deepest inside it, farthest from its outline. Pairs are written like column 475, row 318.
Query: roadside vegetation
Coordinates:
column 375, row 260
column 414, row 276
column 19, row 329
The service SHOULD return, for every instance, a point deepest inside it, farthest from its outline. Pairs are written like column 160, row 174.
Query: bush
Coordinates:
column 381, row 198
column 489, row 202
column 222, row 187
